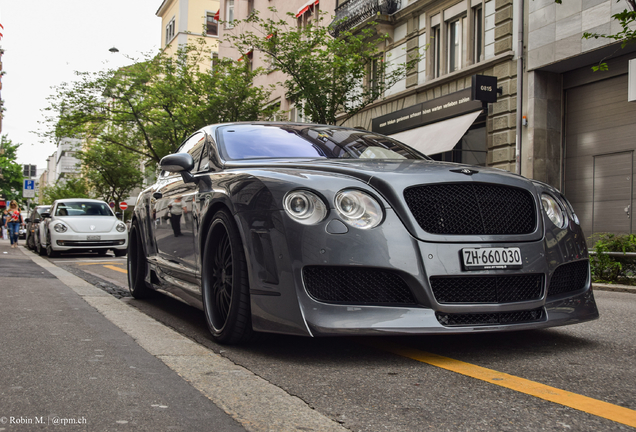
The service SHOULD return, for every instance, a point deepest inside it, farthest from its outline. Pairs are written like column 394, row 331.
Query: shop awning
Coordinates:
column 304, row 8
column 437, row 137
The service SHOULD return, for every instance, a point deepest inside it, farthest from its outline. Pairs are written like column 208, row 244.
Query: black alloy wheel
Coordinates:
column 137, row 264
column 226, row 299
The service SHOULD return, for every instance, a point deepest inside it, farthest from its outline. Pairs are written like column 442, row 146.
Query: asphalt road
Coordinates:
column 389, row 383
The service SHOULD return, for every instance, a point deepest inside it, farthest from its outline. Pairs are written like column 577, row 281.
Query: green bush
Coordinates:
column 612, row 269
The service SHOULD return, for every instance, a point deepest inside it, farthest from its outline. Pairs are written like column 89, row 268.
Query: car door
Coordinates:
column 174, row 226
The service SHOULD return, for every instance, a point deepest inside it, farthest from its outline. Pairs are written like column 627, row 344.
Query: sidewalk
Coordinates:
column 73, row 354
column 64, row 363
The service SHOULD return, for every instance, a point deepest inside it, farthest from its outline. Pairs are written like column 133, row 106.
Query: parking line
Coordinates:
column 586, row 404
column 97, row 263
column 112, row 267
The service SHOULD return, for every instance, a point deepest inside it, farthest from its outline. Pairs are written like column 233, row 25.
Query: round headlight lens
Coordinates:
column 553, row 210
column 60, row 227
column 121, row 227
column 358, row 209
column 304, row 207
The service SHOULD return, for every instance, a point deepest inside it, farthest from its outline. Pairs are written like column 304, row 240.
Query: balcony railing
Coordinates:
column 353, row 12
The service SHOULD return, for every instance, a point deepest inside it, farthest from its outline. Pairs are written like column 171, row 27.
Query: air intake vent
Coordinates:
column 569, row 277
column 487, row 289
column 352, row 285
column 478, row 319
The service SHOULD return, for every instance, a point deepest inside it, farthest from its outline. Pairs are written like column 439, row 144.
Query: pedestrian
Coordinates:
column 13, row 223
column 176, row 210
column 4, row 227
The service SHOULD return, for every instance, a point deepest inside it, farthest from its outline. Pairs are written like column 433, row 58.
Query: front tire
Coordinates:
column 137, row 265
column 49, row 249
column 41, row 250
column 225, row 286
column 120, row 253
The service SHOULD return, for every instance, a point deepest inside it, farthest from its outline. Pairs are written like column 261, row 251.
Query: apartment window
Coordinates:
column 436, row 45
column 375, row 76
column 229, row 13
column 170, row 31
column 307, row 14
column 478, row 32
column 456, row 44
column 250, row 7
column 211, row 25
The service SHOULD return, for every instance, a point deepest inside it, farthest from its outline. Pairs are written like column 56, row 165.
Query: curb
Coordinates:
column 614, row 287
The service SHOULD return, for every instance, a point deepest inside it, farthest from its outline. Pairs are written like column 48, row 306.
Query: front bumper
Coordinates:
column 281, row 300
column 73, row 241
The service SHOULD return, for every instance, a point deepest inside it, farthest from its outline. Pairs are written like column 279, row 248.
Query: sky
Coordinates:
column 46, row 41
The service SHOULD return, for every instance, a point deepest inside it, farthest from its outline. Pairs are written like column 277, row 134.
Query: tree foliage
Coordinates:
column 111, row 172
column 65, row 188
column 150, row 107
column 325, row 75
column 11, row 172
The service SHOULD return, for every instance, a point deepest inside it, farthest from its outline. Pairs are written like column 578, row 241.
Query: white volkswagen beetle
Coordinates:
column 83, row 225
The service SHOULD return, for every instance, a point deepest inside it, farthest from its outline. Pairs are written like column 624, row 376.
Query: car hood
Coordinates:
column 88, row 224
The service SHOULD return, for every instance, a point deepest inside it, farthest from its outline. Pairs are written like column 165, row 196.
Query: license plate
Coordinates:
column 89, row 238
column 491, row 258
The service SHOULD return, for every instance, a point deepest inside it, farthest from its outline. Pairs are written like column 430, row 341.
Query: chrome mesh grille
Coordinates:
column 472, row 209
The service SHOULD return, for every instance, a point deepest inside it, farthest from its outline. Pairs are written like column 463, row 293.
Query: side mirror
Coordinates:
column 118, row 215
column 27, row 220
column 181, row 163
column 37, row 221
column 177, row 162
column 46, row 215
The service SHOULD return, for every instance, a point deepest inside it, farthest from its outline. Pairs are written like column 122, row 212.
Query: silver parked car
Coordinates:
column 321, row 230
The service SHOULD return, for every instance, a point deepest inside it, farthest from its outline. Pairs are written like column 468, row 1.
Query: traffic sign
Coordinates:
column 28, row 189
column 123, row 205
column 112, row 204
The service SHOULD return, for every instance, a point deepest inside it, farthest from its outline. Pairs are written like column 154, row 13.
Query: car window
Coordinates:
column 239, row 142
column 81, row 208
column 197, row 151
column 38, row 212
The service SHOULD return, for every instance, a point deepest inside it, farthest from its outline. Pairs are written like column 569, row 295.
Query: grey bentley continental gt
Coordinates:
column 322, row 230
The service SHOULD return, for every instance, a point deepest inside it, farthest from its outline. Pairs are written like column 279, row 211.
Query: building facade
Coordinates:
column 186, row 21
column 580, row 131
column 456, row 41
column 304, row 11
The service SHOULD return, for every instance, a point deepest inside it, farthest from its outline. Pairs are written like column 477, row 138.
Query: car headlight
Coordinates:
column 358, row 209
column 60, row 227
column 569, row 207
column 304, row 207
column 553, row 210
column 121, row 227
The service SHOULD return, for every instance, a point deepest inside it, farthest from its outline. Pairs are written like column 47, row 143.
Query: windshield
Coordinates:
column 81, row 208
column 239, row 142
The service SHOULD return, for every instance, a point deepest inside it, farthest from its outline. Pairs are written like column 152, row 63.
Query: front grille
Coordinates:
column 356, row 286
column 492, row 318
column 487, row 289
column 569, row 277
column 472, row 209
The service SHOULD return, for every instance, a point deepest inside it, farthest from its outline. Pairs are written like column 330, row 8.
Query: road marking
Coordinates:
column 99, row 263
column 112, row 267
column 562, row 397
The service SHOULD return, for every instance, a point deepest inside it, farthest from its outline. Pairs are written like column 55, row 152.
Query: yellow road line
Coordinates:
column 112, row 267
column 582, row 403
column 98, row 263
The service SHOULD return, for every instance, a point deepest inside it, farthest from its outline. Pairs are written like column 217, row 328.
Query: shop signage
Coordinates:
column 434, row 110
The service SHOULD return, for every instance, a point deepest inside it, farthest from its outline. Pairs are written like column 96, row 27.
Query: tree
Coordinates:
column 111, row 171
column 10, row 172
column 325, row 75
column 150, row 107
column 65, row 188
